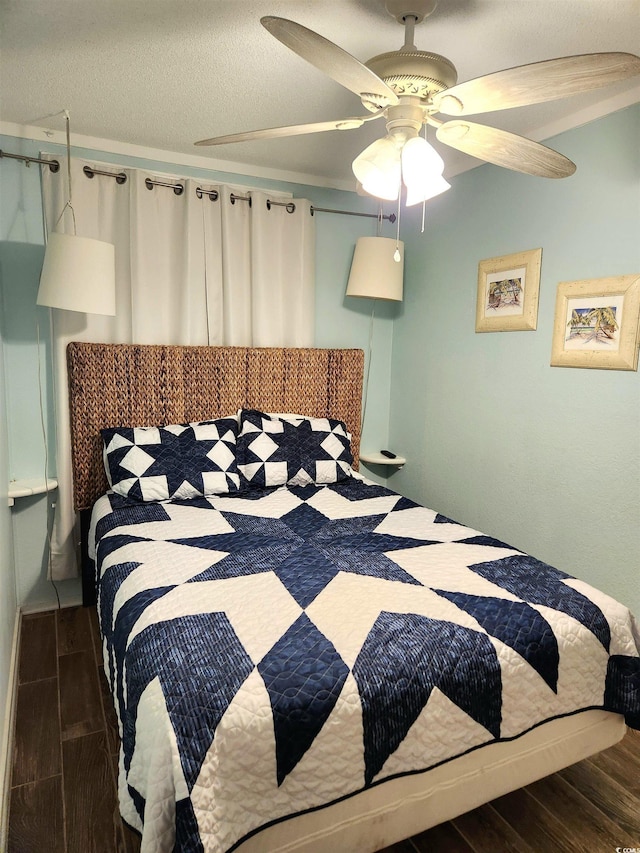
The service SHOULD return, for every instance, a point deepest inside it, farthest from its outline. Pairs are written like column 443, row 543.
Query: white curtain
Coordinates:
column 189, row 270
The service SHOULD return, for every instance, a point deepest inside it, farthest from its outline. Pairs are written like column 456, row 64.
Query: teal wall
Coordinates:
column 545, row 458
column 339, row 322
column 27, row 367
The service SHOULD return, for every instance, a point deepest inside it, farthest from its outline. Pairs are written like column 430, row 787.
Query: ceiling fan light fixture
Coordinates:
column 422, row 169
column 379, row 170
column 385, row 187
column 418, row 191
column 419, row 158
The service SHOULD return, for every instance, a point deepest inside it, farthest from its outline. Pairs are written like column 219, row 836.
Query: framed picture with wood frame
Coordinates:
column 508, row 292
column 597, row 323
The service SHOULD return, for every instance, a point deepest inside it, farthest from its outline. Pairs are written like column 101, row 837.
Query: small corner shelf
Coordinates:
column 26, row 488
column 376, row 458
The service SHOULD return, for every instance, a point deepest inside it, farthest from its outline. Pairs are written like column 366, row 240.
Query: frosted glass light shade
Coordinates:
column 430, row 188
column 78, row 274
column 374, row 271
column 378, row 169
column 420, row 159
column 386, row 187
column 422, row 169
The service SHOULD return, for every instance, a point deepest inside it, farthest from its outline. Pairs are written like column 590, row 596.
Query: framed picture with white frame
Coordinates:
column 597, row 323
column 508, row 289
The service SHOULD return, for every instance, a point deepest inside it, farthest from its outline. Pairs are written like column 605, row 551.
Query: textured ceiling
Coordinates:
column 164, row 73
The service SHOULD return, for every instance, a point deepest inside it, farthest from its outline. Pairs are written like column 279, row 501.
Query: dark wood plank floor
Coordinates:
column 65, row 761
column 64, row 772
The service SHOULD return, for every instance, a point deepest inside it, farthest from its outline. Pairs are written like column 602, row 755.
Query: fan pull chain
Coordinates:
column 424, row 202
column 396, row 255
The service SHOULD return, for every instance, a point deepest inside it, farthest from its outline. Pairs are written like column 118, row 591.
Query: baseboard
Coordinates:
column 44, row 598
column 6, row 747
column 32, row 608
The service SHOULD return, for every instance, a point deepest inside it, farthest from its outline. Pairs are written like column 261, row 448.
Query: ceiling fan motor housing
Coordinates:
column 414, row 73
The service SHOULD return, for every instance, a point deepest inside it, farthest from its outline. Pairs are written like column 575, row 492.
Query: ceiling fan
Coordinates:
column 409, row 87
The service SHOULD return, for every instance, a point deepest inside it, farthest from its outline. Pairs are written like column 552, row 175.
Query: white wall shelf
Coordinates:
column 376, row 458
column 28, row 487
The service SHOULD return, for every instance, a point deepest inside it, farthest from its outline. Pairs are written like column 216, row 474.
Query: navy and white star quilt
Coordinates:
column 275, row 651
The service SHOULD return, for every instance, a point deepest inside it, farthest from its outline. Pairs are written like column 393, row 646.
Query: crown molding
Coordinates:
column 110, row 146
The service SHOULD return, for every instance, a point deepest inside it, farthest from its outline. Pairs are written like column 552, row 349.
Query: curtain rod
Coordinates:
column 120, row 178
column 213, row 196
column 391, row 217
column 178, row 188
column 54, row 165
column 291, row 208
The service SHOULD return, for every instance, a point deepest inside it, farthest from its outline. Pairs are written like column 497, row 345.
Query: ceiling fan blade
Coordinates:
column 505, row 149
column 328, row 57
column 537, row 82
column 291, row 130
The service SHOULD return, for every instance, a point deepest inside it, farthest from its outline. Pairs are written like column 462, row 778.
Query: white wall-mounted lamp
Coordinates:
column 78, row 273
column 377, row 269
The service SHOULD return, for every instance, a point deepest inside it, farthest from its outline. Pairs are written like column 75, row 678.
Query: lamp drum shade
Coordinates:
column 78, row 274
column 374, row 271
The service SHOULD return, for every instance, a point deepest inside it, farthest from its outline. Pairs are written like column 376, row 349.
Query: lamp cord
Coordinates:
column 396, row 256
column 370, row 346
column 46, row 465
column 366, row 379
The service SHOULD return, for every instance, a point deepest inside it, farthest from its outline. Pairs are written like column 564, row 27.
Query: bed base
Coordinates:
column 384, row 815
column 87, row 566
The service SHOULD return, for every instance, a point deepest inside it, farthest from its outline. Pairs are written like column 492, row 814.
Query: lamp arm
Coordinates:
column 69, row 202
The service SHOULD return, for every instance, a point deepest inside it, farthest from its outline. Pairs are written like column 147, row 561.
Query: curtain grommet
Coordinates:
column 214, row 195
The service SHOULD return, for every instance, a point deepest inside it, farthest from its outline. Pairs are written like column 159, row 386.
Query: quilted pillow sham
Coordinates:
column 178, row 461
column 274, row 451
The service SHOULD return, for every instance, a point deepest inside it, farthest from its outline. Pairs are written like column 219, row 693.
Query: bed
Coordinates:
column 300, row 659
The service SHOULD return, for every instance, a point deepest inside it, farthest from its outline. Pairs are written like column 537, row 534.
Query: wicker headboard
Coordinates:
column 134, row 385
